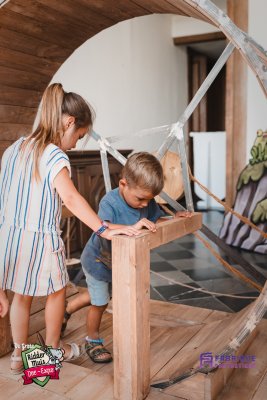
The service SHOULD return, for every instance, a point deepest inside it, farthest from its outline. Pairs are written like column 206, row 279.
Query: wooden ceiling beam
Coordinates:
column 204, row 37
column 118, row 10
column 157, row 6
column 189, row 9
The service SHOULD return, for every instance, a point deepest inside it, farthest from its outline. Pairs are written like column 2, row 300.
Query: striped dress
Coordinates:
column 32, row 253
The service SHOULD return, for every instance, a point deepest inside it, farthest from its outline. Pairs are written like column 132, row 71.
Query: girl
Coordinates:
column 35, row 178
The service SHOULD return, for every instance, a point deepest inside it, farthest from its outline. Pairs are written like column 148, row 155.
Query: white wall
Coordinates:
column 134, row 77
column 184, row 26
column 256, row 103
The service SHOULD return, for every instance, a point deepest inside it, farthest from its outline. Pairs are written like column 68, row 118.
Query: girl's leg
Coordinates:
column 54, row 313
column 19, row 318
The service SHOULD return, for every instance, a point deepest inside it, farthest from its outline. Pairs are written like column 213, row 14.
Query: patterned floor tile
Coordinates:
column 161, row 266
column 203, row 274
column 176, row 255
column 177, row 292
column 211, row 303
column 237, row 304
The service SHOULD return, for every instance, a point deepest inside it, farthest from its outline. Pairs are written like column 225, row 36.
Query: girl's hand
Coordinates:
column 183, row 214
column 145, row 223
column 127, row 230
column 4, row 304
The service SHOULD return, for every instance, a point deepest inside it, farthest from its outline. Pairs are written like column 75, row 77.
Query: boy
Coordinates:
column 132, row 203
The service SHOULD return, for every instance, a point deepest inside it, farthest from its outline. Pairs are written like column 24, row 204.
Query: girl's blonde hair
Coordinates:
column 55, row 103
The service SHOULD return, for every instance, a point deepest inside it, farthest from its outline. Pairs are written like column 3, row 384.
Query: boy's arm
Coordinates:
column 179, row 214
column 107, row 213
column 143, row 223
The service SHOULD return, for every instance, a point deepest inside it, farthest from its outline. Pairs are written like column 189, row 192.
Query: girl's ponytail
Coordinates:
column 56, row 102
column 51, row 113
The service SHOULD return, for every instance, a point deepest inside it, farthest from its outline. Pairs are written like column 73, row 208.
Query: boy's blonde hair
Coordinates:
column 145, row 171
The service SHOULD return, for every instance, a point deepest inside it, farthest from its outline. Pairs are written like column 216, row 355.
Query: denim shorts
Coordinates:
column 100, row 291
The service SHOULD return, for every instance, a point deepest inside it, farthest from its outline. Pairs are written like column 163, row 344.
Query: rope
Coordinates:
column 225, row 205
column 202, row 290
column 220, row 259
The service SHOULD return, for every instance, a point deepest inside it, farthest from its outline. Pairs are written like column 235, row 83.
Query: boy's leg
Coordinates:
column 82, row 300
column 19, row 319
column 94, row 317
column 100, row 296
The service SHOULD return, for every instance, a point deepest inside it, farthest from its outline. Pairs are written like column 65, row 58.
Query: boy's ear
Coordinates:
column 123, row 182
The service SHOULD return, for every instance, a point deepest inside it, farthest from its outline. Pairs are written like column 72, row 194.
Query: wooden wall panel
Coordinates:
column 88, row 178
column 18, row 96
column 12, row 132
column 22, row 79
column 41, row 48
column 40, row 12
column 37, row 29
column 27, row 62
column 16, row 114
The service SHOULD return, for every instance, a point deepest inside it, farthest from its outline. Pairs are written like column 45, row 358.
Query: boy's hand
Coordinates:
column 183, row 214
column 127, row 230
column 4, row 304
column 145, row 223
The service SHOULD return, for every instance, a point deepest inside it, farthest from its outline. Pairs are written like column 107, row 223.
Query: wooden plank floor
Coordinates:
column 175, row 329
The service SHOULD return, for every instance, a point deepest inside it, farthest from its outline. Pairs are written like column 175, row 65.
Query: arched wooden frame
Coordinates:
column 37, row 36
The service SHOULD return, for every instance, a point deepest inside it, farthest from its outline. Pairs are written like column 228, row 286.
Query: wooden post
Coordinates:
column 131, row 330
column 236, row 104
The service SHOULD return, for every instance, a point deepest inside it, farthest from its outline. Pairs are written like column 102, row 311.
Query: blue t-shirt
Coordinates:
column 113, row 208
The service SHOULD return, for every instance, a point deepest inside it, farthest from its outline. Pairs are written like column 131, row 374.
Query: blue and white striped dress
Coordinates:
column 32, row 253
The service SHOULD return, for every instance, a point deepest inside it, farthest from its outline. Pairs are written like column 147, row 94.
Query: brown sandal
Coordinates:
column 94, row 349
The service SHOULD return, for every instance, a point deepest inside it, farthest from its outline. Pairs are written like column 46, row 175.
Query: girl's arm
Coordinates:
column 4, row 304
column 77, row 204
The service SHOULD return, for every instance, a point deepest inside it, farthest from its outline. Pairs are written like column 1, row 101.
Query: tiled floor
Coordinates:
column 187, row 261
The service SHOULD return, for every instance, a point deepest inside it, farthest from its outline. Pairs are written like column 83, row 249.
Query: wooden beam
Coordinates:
column 204, row 37
column 131, row 330
column 236, row 104
column 131, row 292
column 172, row 229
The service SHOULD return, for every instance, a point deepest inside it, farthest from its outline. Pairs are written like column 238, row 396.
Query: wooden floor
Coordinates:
column 176, row 331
